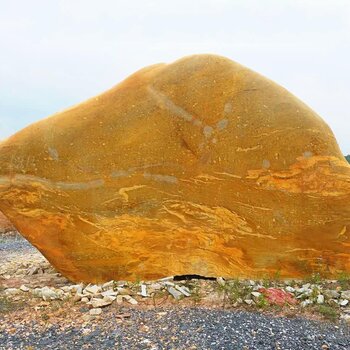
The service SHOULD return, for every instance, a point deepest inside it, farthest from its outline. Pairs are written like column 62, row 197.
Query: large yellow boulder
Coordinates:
column 201, row 167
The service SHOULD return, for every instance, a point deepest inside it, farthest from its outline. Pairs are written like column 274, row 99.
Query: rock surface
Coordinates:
column 5, row 225
column 198, row 167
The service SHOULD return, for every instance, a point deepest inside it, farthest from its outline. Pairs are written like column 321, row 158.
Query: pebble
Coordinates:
column 92, row 289
column 306, row 302
column 48, row 294
column 345, row 317
column 77, row 288
column 156, row 286
column 331, row 294
column 320, row 299
column 95, row 312
column 175, row 293
column 345, row 295
column 343, row 302
column 170, row 278
column 97, row 303
column 220, row 281
column 123, row 291
column 24, row 288
column 184, row 290
column 256, row 294
column 144, row 290
column 12, row 291
column 77, row 297
column 109, row 292
column 108, row 285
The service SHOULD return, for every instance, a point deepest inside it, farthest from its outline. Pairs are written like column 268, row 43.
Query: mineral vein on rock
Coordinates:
column 198, row 167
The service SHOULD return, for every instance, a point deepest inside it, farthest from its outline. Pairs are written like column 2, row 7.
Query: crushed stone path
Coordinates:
column 190, row 328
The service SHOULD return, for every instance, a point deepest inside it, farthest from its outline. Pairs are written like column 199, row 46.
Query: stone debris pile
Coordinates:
column 30, row 276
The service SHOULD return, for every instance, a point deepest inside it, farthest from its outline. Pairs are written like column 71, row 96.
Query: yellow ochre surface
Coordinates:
column 201, row 166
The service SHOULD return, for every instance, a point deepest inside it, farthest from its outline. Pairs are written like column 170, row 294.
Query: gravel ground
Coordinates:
column 14, row 244
column 190, row 328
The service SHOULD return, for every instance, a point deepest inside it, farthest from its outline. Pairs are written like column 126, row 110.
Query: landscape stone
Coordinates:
column 201, row 166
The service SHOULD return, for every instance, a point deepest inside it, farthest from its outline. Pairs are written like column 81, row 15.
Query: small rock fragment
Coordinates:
column 175, row 293
column 184, row 290
column 92, row 289
column 290, row 289
column 33, row 271
column 95, row 312
column 130, row 300
column 170, row 278
column 220, row 281
column 345, row 295
column 108, row 285
column 24, row 288
column 77, row 288
column 109, row 292
column 124, row 291
column 98, row 303
column 331, row 294
column 12, row 291
column 77, row 297
column 48, row 294
column 156, row 286
column 345, row 318
column 120, row 299
column 306, row 302
column 332, row 302
column 256, row 294
column 144, row 290
column 343, row 302
column 167, row 283
column 320, row 299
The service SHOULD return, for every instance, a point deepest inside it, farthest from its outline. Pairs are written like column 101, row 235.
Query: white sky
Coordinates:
column 54, row 54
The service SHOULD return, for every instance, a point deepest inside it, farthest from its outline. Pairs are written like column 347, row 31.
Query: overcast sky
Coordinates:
column 54, row 53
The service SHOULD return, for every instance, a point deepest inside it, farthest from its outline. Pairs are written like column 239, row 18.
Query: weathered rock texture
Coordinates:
column 201, row 166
